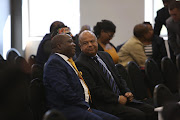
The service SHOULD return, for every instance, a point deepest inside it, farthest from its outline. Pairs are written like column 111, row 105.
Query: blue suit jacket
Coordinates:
column 62, row 85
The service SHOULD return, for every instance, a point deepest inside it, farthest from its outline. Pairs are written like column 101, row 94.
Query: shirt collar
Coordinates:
column 63, row 56
column 95, row 56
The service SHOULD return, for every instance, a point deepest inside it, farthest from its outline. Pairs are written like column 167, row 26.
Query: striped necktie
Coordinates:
column 79, row 75
column 108, row 76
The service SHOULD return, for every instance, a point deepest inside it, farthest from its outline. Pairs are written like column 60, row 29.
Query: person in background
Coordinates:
column 173, row 27
column 133, row 49
column 162, row 16
column 65, row 88
column 104, row 31
column 44, row 48
column 156, row 48
column 108, row 90
column 76, row 41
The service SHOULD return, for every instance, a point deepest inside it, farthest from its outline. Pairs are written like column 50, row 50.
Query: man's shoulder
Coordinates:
column 162, row 10
column 81, row 57
column 54, row 57
column 47, row 37
column 169, row 21
column 104, row 55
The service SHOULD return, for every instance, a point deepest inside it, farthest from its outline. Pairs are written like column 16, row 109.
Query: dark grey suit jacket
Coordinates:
column 173, row 35
column 101, row 91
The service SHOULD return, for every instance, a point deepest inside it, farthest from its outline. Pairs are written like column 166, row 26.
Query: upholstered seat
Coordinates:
column 153, row 74
column 124, row 74
column 137, row 78
column 170, row 73
column 162, row 95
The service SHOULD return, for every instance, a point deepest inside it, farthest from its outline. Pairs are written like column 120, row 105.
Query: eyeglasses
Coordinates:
column 110, row 34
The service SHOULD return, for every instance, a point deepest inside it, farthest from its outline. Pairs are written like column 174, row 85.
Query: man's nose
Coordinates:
column 89, row 44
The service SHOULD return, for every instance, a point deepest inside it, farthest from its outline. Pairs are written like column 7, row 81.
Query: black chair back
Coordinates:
column 1, row 58
column 169, row 71
column 37, row 99
column 32, row 60
column 22, row 63
column 53, row 115
column 178, row 62
column 36, row 71
column 3, row 63
column 12, row 54
column 162, row 95
column 153, row 74
column 137, row 78
column 124, row 74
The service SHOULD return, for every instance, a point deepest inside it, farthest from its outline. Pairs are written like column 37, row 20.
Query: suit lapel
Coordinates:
column 106, row 61
column 98, row 69
column 67, row 66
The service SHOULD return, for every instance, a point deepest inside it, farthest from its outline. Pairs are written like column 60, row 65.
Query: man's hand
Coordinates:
column 89, row 109
column 122, row 100
column 130, row 96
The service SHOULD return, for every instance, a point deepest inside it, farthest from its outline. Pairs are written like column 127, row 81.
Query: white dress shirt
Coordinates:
column 82, row 82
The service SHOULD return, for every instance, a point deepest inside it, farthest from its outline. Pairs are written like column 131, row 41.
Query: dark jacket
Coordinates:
column 98, row 84
column 44, row 50
column 160, row 20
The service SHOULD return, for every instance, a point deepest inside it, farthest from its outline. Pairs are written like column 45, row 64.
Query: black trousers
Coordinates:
column 131, row 111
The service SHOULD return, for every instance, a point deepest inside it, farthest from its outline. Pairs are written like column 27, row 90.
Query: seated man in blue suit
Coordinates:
column 65, row 89
column 108, row 90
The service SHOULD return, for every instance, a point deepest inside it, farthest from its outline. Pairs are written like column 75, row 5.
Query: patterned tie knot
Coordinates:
column 71, row 60
column 95, row 59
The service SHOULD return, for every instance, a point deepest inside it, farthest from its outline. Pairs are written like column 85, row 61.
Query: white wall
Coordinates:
column 5, row 31
column 125, row 14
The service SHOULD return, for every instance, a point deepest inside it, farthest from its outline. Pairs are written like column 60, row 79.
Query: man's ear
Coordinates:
column 79, row 46
column 59, row 46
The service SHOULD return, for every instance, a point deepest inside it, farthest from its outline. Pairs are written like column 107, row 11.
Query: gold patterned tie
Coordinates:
column 79, row 75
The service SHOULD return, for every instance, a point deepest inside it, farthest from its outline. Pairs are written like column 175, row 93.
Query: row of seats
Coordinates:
column 21, row 85
column 142, row 82
column 137, row 80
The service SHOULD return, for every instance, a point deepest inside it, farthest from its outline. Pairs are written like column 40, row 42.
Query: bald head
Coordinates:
column 88, row 43
column 140, row 30
column 85, row 27
column 57, row 40
column 63, row 44
column 86, row 33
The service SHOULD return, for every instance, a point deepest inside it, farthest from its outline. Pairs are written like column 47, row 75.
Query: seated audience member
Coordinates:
column 108, row 90
column 162, row 16
column 65, row 88
column 62, row 30
column 44, row 48
column 172, row 24
column 76, row 41
column 104, row 32
column 156, row 48
column 133, row 49
column 171, row 111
